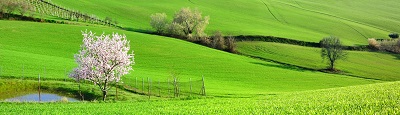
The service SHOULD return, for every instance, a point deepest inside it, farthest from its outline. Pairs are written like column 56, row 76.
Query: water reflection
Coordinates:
column 45, row 97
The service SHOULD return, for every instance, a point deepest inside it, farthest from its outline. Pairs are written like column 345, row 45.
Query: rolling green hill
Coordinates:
column 39, row 46
column 235, row 83
column 306, row 20
column 374, row 65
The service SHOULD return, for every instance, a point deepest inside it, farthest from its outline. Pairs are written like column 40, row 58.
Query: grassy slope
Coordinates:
column 303, row 20
column 37, row 46
column 382, row 98
column 374, row 65
column 52, row 46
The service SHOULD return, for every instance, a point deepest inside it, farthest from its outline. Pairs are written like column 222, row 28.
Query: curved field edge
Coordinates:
column 380, row 98
column 304, row 20
column 372, row 65
column 29, row 49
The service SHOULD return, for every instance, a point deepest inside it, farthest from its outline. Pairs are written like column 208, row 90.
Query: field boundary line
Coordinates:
column 269, row 10
column 338, row 17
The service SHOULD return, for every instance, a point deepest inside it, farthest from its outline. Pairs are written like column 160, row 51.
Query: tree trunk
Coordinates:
column 104, row 90
column 116, row 91
column 104, row 95
column 332, row 65
column 80, row 91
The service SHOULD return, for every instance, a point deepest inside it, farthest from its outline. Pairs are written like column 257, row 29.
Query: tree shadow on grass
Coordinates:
column 395, row 55
column 139, row 30
column 281, row 66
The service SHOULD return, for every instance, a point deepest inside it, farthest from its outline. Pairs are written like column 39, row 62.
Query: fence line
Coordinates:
column 169, row 88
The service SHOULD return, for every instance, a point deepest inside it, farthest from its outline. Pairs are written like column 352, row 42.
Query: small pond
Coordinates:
column 45, row 97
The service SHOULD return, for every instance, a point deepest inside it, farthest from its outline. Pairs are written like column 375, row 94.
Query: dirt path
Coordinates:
column 334, row 16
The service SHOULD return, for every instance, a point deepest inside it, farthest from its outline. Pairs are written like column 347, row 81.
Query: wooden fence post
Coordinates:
column 149, row 83
column 176, row 87
column 203, row 88
column 174, row 83
column 190, row 82
column 143, row 85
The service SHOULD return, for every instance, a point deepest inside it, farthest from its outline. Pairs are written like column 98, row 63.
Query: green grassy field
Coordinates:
column 382, row 98
column 234, row 83
column 52, row 46
column 305, row 20
column 374, row 65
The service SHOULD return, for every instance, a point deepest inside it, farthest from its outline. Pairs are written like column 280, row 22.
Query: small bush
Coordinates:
column 391, row 45
column 24, row 7
column 394, row 35
column 174, row 29
column 159, row 22
column 205, row 41
column 398, row 43
column 373, row 44
column 11, row 6
column 218, row 41
column 2, row 6
column 230, row 44
column 386, row 45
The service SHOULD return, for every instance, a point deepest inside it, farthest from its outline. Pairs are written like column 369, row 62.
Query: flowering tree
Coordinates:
column 103, row 60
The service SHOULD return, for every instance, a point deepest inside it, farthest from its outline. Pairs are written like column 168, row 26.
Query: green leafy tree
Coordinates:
column 191, row 22
column 332, row 49
column 159, row 22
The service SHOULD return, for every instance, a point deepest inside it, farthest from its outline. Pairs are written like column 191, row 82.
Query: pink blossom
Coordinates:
column 103, row 59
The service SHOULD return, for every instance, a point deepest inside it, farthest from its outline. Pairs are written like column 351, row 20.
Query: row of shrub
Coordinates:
column 390, row 45
column 219, row 41
column 189, row 25
column 216, row 41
